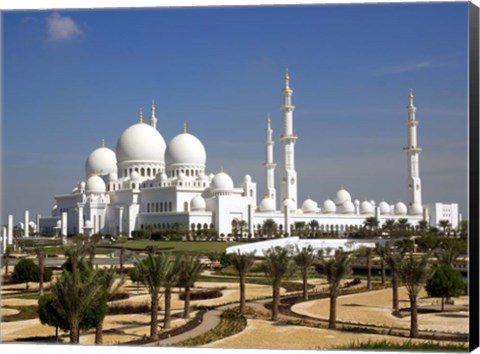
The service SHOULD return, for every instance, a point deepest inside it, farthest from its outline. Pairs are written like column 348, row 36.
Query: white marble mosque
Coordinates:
column 146, row 183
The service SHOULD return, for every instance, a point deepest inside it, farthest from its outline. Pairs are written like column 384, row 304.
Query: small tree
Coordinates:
column 445, row 282
column 382, row 252
column 367, row 253
column 190, row 270
column 41, row 255
column 170, row 279
column 49, row 314
column 277, row 265
column 242, row 263
column 25, row 271
column 414, row 273
column 335, row 268
column 6, row 258
column 304, row 259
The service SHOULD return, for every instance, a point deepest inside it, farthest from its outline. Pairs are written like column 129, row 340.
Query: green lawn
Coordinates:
column 193, row 247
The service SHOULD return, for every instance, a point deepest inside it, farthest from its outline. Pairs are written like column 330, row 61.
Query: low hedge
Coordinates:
column 126, row 309
column 202, row 295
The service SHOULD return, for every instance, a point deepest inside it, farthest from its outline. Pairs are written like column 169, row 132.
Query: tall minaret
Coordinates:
column 289, row 175
column 269, row 164
column 153, row 119
column 413, row 152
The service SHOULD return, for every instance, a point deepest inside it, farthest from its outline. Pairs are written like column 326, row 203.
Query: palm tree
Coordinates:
column 277, row 265
column 269, row 227
column 423, row 226
column 242, row 226
column 6, row 258
column 367, row 253
column 109, row 287
column 335, row 268
column 414, row 273
column 242, row 263
column 313, row 225
column 382, row 251
column 392, row 257
column 447, row 252
column 389, row 225
column 41, row 255
column 75, row 294
column 170, row 279
column 403, row 224
column 189, row 273
column 444, row 224
column 152, row 271
column 304, row 259
column 91, row 247
column 371, row 223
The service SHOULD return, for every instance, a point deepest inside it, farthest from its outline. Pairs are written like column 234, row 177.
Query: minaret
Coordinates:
column 289, row 175
column 413, row 152
column 269, row 164
column 153, row 119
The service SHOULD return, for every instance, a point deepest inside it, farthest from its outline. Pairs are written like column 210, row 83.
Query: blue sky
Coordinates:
column 73, row 77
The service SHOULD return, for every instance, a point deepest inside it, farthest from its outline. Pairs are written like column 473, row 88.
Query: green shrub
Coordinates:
column 25, row 271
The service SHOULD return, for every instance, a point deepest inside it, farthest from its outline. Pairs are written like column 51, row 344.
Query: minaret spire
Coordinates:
column 184, row 127
column 413, row 151
column 153, row 119
column 140, row 119
column 288, row 139
column 269, row 164
column 103, row 143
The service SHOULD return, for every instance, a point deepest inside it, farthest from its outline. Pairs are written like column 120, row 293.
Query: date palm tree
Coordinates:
column 371, row 223
column 190, row 270
column 392, row 257
column 277, row 265
column 382, row 251
column 304, row 259
column 444, row 224
column 170, row 279
column 367, row 253
column 241, row 263
column 152, row 272
column 414, row 273
column 6, row 258
column 269, row 227
column 335, row 268
column 41, row 255
column 313, row 225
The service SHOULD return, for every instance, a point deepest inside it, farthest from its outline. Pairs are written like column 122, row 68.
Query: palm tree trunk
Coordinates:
column 369, row 272
column 305, row 284
column 413, row 318
column 382, row 265
column 6, row 265
column 154, row 319
column 99, row 333
column 443, row 304
column 275, row 301
column 168, row 307
column 56, row 333
column 395, row 289
column 332, row 321
column 74, row 335
column 242, row 294
column 42, row 271
column 186, row 308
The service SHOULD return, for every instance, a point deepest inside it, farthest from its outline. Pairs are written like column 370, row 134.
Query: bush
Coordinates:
column 118, row 296
column 445, row 282
column 25, row 271
column 126, row 309
column 139, row 234
column 202, row 295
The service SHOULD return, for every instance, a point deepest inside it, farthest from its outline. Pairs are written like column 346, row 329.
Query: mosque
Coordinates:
column 148, row 184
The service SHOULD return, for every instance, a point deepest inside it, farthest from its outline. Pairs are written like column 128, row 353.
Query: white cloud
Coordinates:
column 397, row 69
column 61, row 28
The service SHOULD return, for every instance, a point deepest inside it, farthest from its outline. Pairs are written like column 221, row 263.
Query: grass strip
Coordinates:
column 407, row 345
column 230, row 323
column 26, row 313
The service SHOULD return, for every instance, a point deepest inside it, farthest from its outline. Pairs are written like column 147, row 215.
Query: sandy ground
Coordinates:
column 375, row 308
column 274, row 336
column 8, row 312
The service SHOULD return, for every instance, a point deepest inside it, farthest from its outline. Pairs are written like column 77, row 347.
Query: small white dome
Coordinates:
column 328, row 207
column 356, row 202
column 342, row 197
column 400, row 209
column 163, row 177
column 348, row 208
column 140, row 142
column 366, row 207
column 211, row 176
column 20, row 226
column 112, row 177
column 384, row 208
column 88, row 224
column 289, row 204
column 247, row 179
column 309, row 206
column 185, row 149
column 59, row 224
column 182, row 176
column 95, row 184
column 101, row 161
column 198, row 203
column 222, row 183
column 416, row 209
column 135, row 176
column 267, row 205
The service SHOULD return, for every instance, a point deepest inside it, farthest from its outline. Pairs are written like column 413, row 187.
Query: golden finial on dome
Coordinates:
column 221, row 169
column 153, row 105
column 268, row 119
column 287, row 77
column 184, row 127
column 140, row 120
column 411, row 94
column 103, row 143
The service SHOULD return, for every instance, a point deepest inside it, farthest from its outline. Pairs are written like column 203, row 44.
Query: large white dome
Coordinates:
column 328, row 207
column 198, row 203
column 366, row 207
column 384, row 208
column 221, row 183
column 342, row 197
column 400, row 209
column 101, row 161
column 309, row 206
column 95, row 184
column 185, row 149
column 416, row 209
column 140, row 142
column 348, row 208
column 289, row 204
column 267, row 205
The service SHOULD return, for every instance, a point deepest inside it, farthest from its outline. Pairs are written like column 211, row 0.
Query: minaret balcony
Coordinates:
column 291, row 138
column 411, row 149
